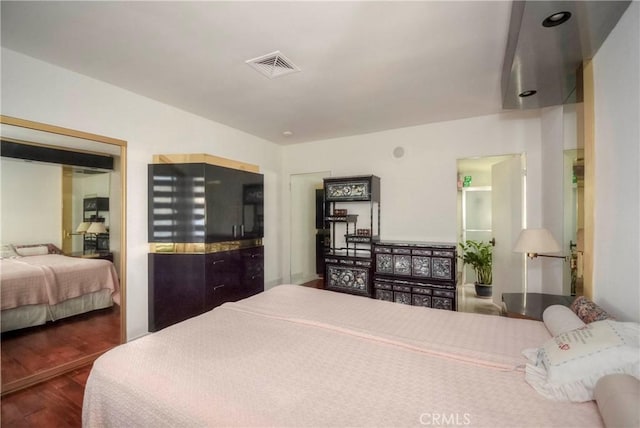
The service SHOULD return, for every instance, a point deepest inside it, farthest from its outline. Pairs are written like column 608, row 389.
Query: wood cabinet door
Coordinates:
column 175, row 288
column 252, row 260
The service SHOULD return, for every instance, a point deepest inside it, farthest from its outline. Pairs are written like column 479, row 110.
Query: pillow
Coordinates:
column 7, row 252
column 559, row 319
column 32, row 250
column 567, row 367
column 617, row 397
column 588, row 311
column 37, row 249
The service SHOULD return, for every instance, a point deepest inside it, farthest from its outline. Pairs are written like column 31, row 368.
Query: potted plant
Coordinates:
column 479, row 255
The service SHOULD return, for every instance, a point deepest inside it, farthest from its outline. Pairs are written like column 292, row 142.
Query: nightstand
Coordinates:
column 103, row 255
column 532, row 305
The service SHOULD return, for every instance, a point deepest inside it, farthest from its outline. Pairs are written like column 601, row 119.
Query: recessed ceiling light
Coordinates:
column 287, row 133
column 528, row 93
column 556, row 19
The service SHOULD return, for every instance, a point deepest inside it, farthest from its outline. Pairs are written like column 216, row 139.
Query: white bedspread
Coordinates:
column 296, row 356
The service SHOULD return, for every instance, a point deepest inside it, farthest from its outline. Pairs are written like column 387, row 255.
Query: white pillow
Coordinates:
column 567, row 367
column 559, row 319
column 7, row 252
column 38, row 250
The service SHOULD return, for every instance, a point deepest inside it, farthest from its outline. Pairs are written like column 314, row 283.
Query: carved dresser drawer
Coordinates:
column 420, row 273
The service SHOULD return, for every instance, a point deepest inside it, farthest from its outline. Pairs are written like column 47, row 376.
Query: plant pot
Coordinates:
column 484, row 291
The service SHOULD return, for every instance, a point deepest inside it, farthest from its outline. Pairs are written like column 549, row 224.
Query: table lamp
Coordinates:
column 533, row 242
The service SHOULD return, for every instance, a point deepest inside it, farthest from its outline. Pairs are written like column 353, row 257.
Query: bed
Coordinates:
column 40, row 288
column 297, row 356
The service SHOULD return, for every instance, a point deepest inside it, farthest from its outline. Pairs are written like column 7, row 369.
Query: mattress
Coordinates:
column 296, row 356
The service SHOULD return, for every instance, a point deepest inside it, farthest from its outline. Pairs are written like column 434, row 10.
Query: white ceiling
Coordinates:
column 366, row 66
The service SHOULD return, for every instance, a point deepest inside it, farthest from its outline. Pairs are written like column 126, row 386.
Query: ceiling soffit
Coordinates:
column 548, row 60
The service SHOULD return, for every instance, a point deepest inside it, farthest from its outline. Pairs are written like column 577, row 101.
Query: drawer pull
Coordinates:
column 215, row 287
column 215, row 262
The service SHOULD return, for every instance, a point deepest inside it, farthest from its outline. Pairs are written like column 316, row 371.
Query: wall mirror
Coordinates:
column 573, row 281
column 54, row 198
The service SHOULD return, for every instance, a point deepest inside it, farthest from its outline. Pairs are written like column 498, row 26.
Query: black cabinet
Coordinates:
column 353, row 221
column 203, row 203
column 185, row 285
column 205, row 225
column 416, row 273
column 94, row 210
column 176, row 288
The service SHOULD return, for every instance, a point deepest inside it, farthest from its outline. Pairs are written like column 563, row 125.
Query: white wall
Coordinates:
column 419, row 190
column 38, row 91
column 617, row 184
column 31, row 195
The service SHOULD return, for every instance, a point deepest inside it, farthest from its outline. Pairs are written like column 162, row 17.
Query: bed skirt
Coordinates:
column 34, row 315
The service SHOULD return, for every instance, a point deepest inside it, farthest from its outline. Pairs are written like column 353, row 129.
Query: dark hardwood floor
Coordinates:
column 30, row 350
column 316, row 283
column 55, row 403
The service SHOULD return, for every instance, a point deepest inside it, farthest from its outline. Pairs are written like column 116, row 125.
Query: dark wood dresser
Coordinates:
column 416, row 273
column 185, row 285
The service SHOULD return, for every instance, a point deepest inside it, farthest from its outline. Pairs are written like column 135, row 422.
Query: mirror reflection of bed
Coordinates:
column 62, row 262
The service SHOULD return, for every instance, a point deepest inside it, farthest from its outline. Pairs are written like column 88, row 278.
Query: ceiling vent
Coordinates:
column 273, row 65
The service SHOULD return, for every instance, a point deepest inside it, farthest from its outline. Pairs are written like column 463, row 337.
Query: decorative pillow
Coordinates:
column 568, row 366
column 37, row 249
column 7, row 252
column 588, row 311
column 559, row 319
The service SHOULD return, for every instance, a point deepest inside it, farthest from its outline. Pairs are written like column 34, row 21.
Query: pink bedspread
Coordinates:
column 23, row 284
column 51, row 279
column 295, row 356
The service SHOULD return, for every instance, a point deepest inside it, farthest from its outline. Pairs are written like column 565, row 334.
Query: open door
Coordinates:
column 507, row 183
column 303, row 225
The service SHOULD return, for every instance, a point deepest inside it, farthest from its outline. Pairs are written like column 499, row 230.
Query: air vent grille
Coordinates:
column 274, row 64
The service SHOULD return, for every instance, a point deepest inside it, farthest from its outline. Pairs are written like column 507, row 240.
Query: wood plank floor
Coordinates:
column 31, row 350
column 56, row 403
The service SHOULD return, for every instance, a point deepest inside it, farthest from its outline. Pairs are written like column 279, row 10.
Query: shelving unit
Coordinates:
column 348, row 260
column 93, row 210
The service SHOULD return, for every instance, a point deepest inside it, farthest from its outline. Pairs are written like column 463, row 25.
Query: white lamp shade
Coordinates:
column 97, row 228
column 536, row 241
column 83, row 227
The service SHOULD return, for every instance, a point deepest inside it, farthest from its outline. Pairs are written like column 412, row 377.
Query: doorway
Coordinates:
column 305, row 235
column 491, row 210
